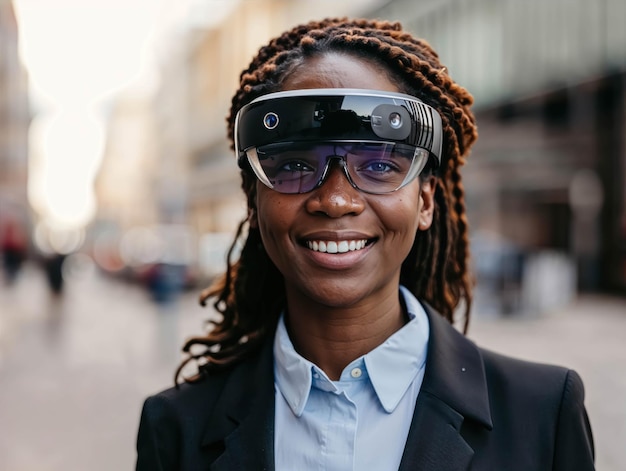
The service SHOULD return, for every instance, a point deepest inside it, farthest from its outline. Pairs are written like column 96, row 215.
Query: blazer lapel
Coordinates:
column 434, row 442
column 250, row 445
column 244, row 425
column 454, row 390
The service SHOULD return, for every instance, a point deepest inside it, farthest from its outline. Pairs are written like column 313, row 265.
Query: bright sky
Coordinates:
column 78, row 54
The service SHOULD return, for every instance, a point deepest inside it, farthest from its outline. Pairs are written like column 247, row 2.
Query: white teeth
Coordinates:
column 331, row 246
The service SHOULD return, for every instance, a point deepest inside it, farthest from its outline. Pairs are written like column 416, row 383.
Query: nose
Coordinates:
column 336, row 197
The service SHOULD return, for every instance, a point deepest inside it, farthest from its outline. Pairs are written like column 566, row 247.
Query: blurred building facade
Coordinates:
column 125, row 183
column 548, row 174
column 549, row 170
column 14, row 119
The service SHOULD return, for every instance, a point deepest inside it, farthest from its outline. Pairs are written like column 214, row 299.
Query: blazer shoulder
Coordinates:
column 543, row 398
column 173, row 423
column 532, row 388
column 532, row 378
column 191, row 404
column 188, row 397
column 185, row 428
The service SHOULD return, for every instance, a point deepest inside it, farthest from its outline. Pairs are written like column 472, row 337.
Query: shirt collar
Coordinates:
column 391, row 367
column 292, row 372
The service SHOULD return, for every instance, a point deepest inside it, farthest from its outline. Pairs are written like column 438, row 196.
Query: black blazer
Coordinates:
column 476, row 410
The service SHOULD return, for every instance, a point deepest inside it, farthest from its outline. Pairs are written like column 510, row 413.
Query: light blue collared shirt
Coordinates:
column 359, row 422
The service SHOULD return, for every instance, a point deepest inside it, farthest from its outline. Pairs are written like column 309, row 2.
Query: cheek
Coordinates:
column 274, row 212
column 404, row 221
column 268, row 217
column 401, row 215
column 400, row 225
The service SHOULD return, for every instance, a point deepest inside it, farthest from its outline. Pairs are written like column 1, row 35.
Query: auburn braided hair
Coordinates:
column 250, row 295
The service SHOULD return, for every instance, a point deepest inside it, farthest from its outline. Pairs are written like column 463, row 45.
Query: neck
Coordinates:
column 333, row 337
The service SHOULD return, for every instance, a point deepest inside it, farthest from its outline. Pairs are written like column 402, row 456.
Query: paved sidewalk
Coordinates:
column 75, row 370
column 589, row 335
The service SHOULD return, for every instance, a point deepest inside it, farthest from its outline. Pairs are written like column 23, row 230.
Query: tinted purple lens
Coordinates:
column 373, row 167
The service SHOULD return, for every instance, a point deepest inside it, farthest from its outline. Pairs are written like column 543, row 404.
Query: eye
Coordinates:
column 378, row 167
column 295, row 166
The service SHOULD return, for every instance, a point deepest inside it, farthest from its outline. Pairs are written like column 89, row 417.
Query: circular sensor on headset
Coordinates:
column 270, row 120
column 395, row 120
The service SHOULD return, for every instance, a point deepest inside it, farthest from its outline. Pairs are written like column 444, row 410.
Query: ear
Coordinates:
column 427, row 203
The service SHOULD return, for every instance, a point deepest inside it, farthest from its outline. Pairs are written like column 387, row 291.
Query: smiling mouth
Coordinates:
column 331, row 246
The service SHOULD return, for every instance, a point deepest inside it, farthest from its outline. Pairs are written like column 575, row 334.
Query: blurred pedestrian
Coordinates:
column 53, row 267
column 14, row 246
column 165, row 281
column 336, row 349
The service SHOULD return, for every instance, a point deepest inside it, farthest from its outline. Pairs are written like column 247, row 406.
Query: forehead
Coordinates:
column 337, row 70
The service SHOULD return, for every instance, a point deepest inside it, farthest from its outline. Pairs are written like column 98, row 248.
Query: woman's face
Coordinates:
column 377, row 230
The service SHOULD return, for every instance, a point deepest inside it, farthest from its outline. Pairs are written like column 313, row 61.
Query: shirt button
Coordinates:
column 356, row 373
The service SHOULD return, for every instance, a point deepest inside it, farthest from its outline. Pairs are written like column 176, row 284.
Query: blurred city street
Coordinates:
column 75, row 368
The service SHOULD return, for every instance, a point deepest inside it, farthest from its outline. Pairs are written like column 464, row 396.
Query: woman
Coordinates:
column 336, row 349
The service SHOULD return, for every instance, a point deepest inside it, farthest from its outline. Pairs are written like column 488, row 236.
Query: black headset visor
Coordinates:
column 322, row 115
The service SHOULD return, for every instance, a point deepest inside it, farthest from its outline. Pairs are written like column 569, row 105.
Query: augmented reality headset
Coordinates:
column 358, row 124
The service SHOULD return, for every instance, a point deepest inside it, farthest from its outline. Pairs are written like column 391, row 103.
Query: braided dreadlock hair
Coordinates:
column 251, row 294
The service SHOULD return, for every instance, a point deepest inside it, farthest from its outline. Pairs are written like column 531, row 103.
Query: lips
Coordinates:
column 332, row 246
